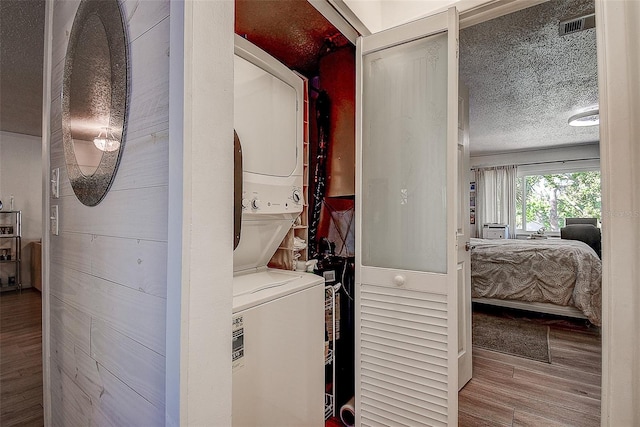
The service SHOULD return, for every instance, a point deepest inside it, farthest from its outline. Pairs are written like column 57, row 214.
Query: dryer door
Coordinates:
column 267, row 96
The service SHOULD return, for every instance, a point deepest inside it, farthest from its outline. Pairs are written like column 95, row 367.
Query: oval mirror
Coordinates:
column 94, row 98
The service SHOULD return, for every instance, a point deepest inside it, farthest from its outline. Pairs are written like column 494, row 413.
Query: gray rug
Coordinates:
column 516, row 336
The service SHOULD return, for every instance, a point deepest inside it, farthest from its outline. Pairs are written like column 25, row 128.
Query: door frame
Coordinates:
column 617, row 79
column 465, row 355
column 47, row 69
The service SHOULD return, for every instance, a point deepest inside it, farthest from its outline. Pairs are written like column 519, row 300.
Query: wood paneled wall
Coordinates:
column 108, row 265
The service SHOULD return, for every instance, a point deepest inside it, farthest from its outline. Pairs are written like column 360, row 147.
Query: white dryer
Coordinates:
column 278, row 316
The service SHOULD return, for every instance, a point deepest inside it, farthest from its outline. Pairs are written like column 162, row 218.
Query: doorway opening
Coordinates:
column 526, row 78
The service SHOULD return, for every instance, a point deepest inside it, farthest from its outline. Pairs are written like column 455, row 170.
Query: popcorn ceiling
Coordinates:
column 525, row 80
column 21, row 56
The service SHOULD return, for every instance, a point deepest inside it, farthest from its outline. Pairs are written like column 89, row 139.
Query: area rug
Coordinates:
column 517, row 336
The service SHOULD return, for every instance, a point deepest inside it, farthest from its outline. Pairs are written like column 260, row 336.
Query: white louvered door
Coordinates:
column 406, row 275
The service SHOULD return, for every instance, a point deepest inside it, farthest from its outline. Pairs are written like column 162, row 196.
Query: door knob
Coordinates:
column 467, row 246
column 399, row 280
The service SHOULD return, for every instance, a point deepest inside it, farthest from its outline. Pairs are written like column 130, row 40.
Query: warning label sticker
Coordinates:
column 237, row 348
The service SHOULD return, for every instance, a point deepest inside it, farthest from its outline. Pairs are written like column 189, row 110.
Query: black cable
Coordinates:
column 320, row 173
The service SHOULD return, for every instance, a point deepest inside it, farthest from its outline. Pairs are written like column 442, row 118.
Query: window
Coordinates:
column 544, row 199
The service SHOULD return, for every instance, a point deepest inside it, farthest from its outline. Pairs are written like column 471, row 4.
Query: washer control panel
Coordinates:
column 271, row 199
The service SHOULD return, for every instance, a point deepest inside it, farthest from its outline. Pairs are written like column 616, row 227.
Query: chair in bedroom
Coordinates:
column 572, row 221
column 585, row 230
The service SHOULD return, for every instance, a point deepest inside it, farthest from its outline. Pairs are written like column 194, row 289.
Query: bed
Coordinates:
column 548, row 275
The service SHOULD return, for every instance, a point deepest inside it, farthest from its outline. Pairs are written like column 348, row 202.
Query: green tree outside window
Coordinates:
column 544, row 201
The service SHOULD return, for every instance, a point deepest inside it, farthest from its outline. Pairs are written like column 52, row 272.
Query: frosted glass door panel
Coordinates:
column 404, row 156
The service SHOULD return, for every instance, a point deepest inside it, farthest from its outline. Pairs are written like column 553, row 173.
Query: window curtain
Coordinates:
column 496, row 197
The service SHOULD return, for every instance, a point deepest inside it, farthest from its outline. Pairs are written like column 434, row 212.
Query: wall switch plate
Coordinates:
column 55, row 183
column 54, row 220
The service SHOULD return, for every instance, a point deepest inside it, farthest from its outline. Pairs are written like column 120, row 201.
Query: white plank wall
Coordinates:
column 108, row 265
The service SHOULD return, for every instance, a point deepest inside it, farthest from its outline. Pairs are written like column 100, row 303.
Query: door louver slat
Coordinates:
column 434, row 380
column 398, row 347
column 409, row 340
column 429, row 332
column 417, row 396
column 389, row 294
column 394, row 348
column 434, row 373
column 422, row 318
column 402, row 412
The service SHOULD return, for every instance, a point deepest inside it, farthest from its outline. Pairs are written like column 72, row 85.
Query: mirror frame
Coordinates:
column 91, row 189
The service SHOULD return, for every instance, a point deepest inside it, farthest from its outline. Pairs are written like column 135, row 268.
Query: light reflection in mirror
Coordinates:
column 94, row 98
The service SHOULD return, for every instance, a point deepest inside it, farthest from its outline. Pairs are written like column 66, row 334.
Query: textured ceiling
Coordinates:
column 525, row 80
column 21, row 55
column 293, row 31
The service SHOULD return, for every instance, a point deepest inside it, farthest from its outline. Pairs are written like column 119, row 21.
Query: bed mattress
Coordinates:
column 561, row 272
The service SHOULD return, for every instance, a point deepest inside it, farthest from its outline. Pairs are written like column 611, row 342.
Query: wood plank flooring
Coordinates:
column 21, row 359
column 512, row 391
column 505, row 390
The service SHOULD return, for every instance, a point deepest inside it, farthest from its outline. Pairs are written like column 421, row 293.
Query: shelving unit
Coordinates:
column 330, row 349
column 10, row 250
column 302, row 231
column 286, row 255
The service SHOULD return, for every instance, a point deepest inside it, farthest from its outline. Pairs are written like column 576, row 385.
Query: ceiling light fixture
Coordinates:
column 106, row 140
column 587, row 117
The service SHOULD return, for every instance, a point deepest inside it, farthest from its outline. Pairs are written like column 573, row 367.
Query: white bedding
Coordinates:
column 561, row 272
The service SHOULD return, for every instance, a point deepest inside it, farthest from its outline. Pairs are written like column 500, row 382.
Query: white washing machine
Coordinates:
column 278, row 361
column 278, row 316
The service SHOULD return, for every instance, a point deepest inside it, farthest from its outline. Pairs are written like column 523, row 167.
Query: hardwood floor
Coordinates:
column 505, row 390
column 512, row 391
column 21, row 359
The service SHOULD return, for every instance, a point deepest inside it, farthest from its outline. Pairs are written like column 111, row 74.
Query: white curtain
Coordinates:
column 496, row 197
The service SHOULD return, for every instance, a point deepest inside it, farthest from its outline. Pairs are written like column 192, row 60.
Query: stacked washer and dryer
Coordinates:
column 278, row 315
